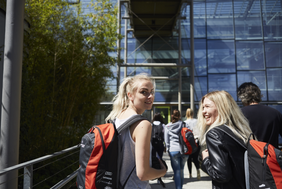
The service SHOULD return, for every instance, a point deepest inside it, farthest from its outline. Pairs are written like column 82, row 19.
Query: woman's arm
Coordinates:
column 216, row 161
column 142, row 137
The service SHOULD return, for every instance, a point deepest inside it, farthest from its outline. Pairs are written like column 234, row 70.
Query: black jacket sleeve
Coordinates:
column 217, row 165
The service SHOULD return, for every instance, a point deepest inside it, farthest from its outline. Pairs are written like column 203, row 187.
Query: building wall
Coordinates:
column 236, row 42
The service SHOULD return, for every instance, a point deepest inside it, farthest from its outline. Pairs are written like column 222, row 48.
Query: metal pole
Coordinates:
column 192, row 106
column 11, row 92
column 179, row 69
column 118, row 48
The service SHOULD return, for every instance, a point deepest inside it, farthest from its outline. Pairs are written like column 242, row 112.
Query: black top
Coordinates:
column 265, row 122
column 225, row 164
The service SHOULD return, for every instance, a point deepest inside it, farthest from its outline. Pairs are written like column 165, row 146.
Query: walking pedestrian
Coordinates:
column 177, row 159
column 192, row 125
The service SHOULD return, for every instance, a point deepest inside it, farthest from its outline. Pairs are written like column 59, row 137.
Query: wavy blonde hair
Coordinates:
column 121, row 100
column 229, row 114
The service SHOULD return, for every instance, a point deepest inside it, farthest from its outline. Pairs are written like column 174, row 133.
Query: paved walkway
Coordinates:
column 189, row 183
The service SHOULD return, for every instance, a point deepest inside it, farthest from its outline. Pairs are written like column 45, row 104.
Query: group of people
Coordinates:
column 222, row 159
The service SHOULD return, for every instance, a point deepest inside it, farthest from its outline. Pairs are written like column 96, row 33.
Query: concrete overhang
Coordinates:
column 155, row 16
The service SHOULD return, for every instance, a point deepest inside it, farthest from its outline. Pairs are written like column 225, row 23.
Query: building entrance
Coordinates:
column 164, row 111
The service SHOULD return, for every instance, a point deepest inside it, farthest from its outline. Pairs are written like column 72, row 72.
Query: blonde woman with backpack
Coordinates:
column 223, row 160
column 136, row 94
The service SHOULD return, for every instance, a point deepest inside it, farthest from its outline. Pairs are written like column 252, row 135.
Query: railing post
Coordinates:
column 28, row 177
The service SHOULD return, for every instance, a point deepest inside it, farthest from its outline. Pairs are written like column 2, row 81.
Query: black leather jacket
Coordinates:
column 225, row 164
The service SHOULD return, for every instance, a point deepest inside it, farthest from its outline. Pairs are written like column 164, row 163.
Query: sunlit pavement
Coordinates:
column 191, row 183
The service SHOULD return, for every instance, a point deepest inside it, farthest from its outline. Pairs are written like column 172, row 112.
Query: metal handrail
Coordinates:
column 31, row 162
column 65, row 181
column 28, row 169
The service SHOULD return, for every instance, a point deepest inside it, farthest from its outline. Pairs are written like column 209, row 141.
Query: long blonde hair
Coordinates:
column 121, row 100
column 229, row 114
column 189, row 113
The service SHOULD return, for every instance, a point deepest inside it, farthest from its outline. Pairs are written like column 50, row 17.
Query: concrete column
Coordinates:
column 11, row 92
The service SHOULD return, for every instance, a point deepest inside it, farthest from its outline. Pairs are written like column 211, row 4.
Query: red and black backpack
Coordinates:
column 262, row 161
column 100, row 156
column 187, row 141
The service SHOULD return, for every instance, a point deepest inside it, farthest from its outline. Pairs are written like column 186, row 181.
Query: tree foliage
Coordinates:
column 64, row 73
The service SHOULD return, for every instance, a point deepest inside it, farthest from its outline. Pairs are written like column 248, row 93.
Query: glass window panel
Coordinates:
column 166, row 91
column 219, row 19
column 165, row 50
column 201, row 87
column 139, row 50
column 249, row 55
column 185, row 51
column 221, row 56
column 199, row 21
column 273, row 54
column 274, row 82
column 185, row 89
column 257, row 77
column 200, row 57
column 272, row 19
column 247, row 19
column 225, row 82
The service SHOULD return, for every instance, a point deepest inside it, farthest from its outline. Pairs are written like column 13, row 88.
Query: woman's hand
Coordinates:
column 205, row 154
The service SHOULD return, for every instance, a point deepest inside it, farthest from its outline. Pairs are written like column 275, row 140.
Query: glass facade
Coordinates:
column 235, row 41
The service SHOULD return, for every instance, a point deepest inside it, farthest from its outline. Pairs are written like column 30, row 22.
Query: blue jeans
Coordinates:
column 178, row 161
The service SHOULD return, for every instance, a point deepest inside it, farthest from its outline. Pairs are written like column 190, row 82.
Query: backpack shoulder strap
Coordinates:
column 228, row 131
column 130, row 121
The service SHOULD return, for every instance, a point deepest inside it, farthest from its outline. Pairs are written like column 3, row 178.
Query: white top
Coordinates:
column 192, row 124
column 128, row 160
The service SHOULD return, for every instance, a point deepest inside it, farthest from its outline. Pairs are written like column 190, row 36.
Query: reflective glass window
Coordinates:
column 225, row 82
column 257, row 77
column 200, row 57
column 274, row 82
column 166, row 91
column 185, row 51
column 221, row 56
column 250, row 55
column 199, row 20
column 247, row 18
column 139, row 50
column 272, row 19
column 219, row 19
column 165, row 50
column 273, row 54
column 201, row 87
column 186, row 80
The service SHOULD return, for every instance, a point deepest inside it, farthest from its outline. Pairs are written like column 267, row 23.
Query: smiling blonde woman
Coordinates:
column 223, row 160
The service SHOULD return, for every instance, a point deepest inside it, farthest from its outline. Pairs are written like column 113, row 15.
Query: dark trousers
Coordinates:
column 158, row 147
column 193, row 158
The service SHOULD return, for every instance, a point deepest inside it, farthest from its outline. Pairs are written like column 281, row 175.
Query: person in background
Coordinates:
column 158, row 139
column 177, row 159
column 265, row 122
column 136, row 94
column 158, row 135
column 192, row 125
column 223, row 160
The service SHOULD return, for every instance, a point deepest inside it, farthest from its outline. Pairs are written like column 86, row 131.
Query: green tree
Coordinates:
column 64, row 73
